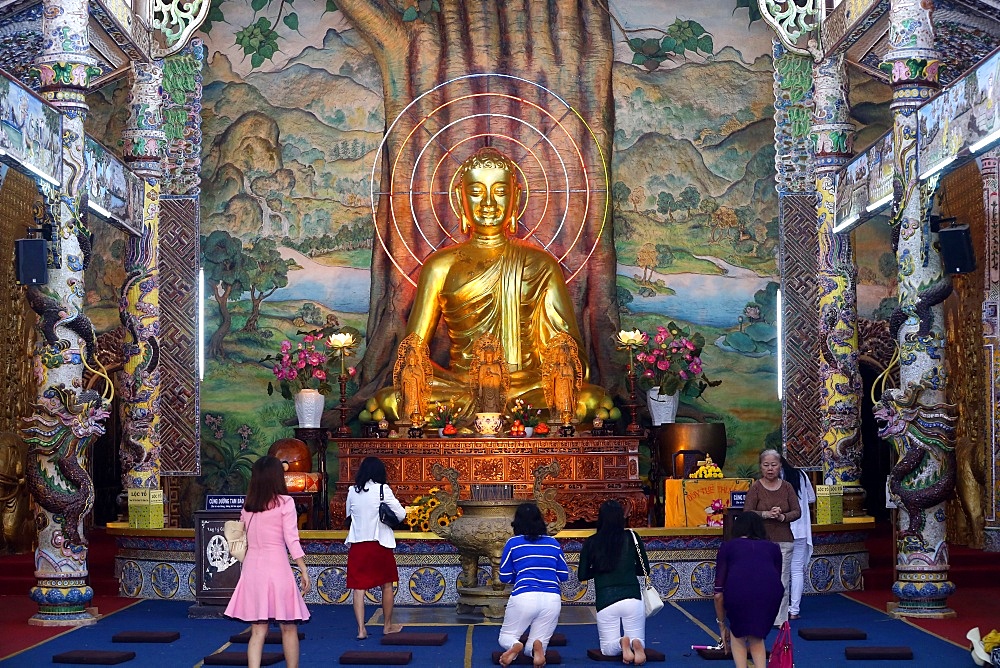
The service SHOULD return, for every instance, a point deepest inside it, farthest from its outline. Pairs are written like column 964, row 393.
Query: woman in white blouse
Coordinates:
column 370, row 558
column 802, row 546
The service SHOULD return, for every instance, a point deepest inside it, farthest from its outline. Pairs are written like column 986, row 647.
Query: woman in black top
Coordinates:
column 612, row 558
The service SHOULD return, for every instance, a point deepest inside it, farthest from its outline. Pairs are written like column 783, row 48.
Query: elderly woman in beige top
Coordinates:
column 776, row 501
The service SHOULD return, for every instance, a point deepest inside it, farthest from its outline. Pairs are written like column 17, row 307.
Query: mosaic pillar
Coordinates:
column 841, row 387
column 796, row 186
column 990, row 170
column 915, row 416
column 139, row 304
column 66, row 417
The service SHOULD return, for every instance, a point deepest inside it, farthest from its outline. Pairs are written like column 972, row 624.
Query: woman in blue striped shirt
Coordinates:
column 534, row 562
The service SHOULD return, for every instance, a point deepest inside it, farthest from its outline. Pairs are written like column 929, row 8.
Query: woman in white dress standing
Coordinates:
column 802, row 546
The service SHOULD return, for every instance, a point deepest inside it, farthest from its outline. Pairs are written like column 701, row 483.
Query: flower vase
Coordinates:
column 662, row 407
column 529, row 432
column 440, row 432
column 309, row 408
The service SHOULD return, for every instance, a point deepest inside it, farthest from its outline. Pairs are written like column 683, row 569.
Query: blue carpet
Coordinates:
column 331, row 632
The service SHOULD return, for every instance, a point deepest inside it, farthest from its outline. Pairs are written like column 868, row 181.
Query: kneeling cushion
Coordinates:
column 94, row 657
column 557, row 639
column 360, row 658
column 240, row 659
column 898, row 653
column 651, row 655
column 819, row 633
column 551, row 657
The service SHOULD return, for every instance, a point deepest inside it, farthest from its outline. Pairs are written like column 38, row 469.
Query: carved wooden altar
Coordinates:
column 591, row 469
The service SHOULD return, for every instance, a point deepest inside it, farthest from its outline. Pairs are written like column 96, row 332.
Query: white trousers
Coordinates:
column 786, row 576
column 537, row 610
column 800, row 553
column 628, row 614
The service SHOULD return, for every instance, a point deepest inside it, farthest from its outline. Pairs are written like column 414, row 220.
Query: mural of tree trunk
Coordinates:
column 562, row 45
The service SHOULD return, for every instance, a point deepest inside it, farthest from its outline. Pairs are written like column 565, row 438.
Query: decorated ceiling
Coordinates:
column 966, row 31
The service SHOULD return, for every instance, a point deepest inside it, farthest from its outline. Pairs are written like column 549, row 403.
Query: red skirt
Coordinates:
column 369, row 564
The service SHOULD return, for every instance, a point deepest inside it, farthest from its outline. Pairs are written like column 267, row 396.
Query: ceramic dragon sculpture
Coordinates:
column 57, row 437
column 924, row 439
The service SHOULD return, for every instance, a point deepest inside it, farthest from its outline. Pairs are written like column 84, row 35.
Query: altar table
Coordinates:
column 696, row 502
column 592, row 469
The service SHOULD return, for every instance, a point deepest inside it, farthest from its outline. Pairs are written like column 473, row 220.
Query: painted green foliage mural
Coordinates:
column 695, row 209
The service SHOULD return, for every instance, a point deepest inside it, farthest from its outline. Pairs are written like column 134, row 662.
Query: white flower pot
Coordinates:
column 662, row 407
column 529, row 431
column 488, row 424
column 309, row 408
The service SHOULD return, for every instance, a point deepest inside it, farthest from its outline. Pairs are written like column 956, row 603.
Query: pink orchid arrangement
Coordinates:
column 301, row 366
column 671, row 359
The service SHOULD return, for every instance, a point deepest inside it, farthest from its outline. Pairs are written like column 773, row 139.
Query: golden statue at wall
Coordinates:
column 411, row 377
column 562, row 376
column 493, row 283
column 488, row 375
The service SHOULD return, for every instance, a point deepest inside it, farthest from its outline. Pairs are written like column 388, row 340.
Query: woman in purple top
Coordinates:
column 534, row 562
column 267, row 591
column 748, row 589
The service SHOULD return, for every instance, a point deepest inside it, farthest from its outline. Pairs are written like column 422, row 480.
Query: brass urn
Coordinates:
column 482, row 531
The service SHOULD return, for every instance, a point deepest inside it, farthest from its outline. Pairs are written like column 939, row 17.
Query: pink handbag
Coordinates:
column 781, row 651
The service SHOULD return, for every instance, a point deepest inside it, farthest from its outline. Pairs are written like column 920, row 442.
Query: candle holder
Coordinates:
column 633, row 428
column 630, row 342
column 343, row 343
column 343, row 430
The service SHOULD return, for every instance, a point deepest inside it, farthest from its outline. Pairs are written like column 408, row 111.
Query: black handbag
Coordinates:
column 385, row 512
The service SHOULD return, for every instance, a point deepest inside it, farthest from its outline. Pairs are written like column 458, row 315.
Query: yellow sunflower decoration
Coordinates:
column 418, row 513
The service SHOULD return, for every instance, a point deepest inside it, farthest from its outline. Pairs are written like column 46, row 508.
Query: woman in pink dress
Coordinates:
column 267, row 591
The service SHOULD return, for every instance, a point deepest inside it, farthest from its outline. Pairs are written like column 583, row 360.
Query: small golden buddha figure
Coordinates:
column 493, row 283
column 488, row 375
column 562, row 376
column 411, row 378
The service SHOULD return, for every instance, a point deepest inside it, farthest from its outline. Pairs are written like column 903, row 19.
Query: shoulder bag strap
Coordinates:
column 246, row 531
column 381, row 493
column 638, row 554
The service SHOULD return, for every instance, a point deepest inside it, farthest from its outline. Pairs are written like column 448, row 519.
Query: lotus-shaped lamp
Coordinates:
column 633, row 339
column 342, row 341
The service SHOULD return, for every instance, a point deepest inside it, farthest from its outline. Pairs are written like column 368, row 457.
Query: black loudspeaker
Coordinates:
column 31, row 261
column 957, row 253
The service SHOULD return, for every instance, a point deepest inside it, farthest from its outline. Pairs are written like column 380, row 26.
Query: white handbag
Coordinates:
column 236, row 538
column 651, row 601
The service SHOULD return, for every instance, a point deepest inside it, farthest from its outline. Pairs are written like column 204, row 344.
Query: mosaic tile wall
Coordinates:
column 681, row 568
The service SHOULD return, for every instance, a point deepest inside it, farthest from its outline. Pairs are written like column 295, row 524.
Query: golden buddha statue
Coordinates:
column 489, row 375
column 494, row 284
column 411, row 377
column 562, row 377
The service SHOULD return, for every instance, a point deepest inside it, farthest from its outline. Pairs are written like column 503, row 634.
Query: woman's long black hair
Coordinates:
column 606, row 545
column 267, row 482
column 790, row 474
column 528, row 522
column 372, row 469
column 749, row 525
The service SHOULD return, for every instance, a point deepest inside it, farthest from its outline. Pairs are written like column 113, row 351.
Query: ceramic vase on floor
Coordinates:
column 662, row 407
column 309, row 408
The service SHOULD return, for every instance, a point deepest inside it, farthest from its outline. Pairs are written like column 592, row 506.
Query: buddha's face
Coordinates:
column 489, row 198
